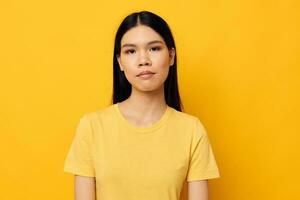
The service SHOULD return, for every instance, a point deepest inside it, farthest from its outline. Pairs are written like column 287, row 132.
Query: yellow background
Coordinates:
column 238, row 67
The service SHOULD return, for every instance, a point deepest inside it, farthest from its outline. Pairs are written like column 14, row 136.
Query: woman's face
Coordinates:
column 143, row 49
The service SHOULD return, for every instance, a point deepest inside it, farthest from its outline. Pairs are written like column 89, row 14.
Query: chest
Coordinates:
column 146, row 162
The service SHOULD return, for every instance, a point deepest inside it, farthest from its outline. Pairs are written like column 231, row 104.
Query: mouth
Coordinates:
column 146, row 75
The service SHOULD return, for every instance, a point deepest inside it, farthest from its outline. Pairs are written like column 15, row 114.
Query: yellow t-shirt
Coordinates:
column 134, row 163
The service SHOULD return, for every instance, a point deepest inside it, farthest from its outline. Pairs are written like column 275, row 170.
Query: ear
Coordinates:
column 172, row 56
column 119, row 61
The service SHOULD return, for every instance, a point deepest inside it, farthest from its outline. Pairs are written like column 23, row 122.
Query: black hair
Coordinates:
column 121, row 86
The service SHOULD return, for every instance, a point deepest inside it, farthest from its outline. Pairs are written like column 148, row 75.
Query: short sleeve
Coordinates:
column 202, row 163
column 79, row 157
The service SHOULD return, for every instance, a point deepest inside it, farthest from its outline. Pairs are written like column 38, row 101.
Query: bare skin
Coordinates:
column 85, row 188
column 139, row 52
column 198, row 190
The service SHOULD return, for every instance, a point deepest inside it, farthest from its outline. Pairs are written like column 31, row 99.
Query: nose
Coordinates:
column 144, row 59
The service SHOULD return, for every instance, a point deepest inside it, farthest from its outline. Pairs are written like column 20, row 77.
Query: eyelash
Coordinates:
column 127, row 51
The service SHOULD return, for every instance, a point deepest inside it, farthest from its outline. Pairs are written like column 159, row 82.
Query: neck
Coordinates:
column 145, row 104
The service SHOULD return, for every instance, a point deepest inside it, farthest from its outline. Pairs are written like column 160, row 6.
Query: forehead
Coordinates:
column 140, row 35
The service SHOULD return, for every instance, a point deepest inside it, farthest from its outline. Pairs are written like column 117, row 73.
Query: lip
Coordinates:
column 147, row 72
column 146, row 76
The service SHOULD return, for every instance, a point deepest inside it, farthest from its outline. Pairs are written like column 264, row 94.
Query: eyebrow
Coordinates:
column 133, row 45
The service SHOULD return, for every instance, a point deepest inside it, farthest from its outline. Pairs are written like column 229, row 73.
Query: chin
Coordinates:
column 148, row 88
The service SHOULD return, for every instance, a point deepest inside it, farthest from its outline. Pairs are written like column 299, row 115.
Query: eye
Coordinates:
column 129, row 51
column 156, row 48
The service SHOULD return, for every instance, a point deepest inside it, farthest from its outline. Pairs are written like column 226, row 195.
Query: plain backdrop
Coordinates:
column 238, row 71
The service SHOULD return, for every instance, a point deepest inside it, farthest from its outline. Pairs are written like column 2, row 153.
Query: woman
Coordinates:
column 142, row 147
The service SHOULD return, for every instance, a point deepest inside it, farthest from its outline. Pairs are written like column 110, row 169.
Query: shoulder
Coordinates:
column 186, row 118
column 190, row 122
column 100, row 115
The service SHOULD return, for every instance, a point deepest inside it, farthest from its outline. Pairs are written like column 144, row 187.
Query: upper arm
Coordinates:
column 85, row 188
column 79, row 159
column 198, row 190
column 202, row 165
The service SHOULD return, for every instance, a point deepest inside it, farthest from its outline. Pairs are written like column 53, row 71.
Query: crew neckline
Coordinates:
column 147, row 129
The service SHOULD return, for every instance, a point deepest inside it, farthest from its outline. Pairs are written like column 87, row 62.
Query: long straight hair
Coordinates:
column 121, row 86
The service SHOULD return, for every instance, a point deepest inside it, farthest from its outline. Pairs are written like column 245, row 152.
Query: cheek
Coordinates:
column 128, row 65
column 161, row 60
column 128, row 61
column 130, row 72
